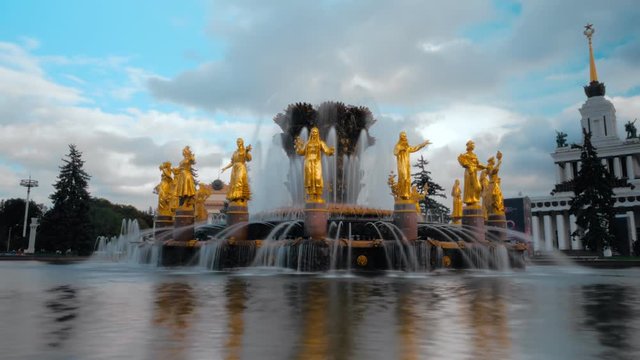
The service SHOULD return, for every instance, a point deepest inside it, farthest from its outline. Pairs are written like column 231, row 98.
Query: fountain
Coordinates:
column 324, row 227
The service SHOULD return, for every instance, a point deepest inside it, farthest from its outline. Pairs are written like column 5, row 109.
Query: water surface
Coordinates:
column 115, row 311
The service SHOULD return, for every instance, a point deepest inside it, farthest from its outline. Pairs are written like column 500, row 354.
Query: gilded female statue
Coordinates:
column 472, row 188
column 402, row 151
column 164, row 190
column 202, row 195
column 186, row 183
column 456, row 195
column 312, row 152
column 239, row 183
column 497, row 200
column 485, row 194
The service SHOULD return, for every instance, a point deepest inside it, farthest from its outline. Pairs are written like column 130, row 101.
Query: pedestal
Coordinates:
column 405, row 217
column 473, row 220
column 236, row 214
column 183, row 225
column 163, row 227
column 163, row 222
column 498, row 221
column 315, row 220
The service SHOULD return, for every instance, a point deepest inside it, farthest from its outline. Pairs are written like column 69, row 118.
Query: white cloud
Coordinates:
column 122, row 149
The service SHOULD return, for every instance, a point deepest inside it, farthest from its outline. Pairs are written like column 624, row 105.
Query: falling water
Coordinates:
column 271, row 253
column 210, row 254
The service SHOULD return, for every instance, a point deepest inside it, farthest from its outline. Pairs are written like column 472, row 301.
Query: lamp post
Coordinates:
column 28, row 183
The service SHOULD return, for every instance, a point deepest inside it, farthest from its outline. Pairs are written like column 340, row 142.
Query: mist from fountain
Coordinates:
column 131, row 246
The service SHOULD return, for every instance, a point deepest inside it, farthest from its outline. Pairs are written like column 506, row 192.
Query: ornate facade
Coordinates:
column 552, row 225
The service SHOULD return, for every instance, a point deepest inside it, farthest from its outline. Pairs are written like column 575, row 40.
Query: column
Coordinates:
column 535, row 230
column 630, row 172
column 562, row 232
column 632, row 227
column 568, row 171
column 578, row 165
column 576, row 243
column 559, row 174
column 617, row 167
column 548, row 233
column 605, row 163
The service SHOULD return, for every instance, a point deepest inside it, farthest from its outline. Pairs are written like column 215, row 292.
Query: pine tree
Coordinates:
column 429, row 189
column 67, row 225
column 593, row 201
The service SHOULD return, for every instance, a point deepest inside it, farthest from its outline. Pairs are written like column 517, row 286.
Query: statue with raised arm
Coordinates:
column 165, row 190
column 401, row 152
column 456, row 195
column 497, row 200
column 631, row 130
column 186, row 183
column 472, row 188
column 312, row 152
column 561, row 139
column 239, row 183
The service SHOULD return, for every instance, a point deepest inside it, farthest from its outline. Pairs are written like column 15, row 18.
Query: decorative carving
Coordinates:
column 362, row 260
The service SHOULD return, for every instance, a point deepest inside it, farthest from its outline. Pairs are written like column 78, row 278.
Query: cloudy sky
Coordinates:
column 132, row 82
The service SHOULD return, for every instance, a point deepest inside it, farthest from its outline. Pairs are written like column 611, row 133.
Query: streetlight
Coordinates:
column 28, row 183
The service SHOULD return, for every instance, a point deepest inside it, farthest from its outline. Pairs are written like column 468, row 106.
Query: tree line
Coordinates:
column 75, row 219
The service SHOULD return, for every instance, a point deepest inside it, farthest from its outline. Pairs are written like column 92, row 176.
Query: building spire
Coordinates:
column 588, row 32
column 595, row 88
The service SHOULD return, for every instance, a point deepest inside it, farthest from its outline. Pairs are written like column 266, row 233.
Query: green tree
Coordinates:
column 106, row 218
column 12, row 215
column 593, row 199
column 429, row 189
column 68, row 225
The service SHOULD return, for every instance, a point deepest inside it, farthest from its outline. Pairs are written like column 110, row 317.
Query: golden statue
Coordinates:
column 312, row 152
column 469, row 161
column 416, row 197
column 485, row 194
column 239, row 183
column 165, row 190
column 175, row 200
column 402, row 151
column 391, row 181
column 202, row 195
column 456, row 194
column 186, row 183
column 497, row 200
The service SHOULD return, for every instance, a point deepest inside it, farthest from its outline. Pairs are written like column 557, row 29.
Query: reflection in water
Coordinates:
column 407, row 321
column 543, row 313
column 62, row 310
column 236, row 293
column 607, row 310
column 173, row 317
column 487, row 312
column 314, row 342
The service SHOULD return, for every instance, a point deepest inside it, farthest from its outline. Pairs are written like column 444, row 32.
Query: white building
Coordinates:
column 551, row 223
